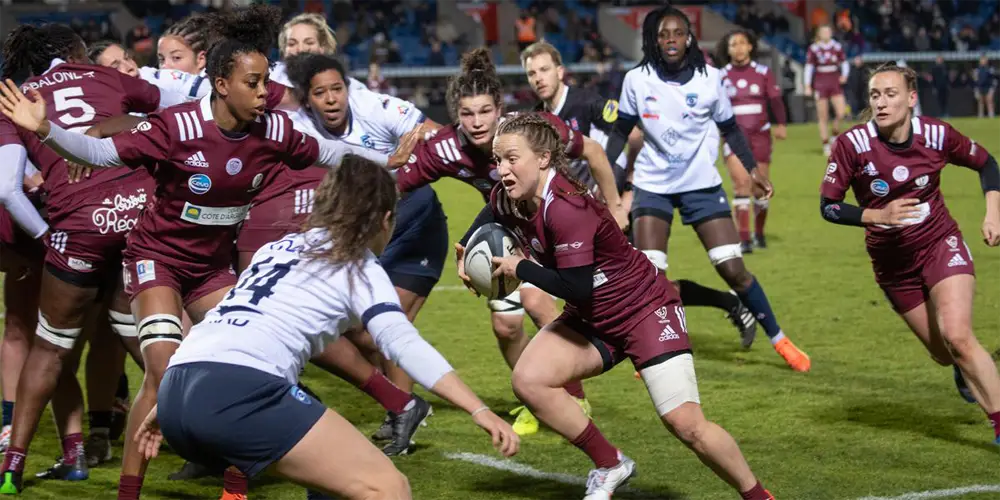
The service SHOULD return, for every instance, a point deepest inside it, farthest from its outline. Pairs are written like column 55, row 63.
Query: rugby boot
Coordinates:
column 760, row 241
column 405, row 426
column 795, row 357
column 602, row 483
column 584, row 405
column 963, row 388
column 62, row 471
column 384, row 432
column 97, row 449
column 232, row 496
column 742, row 318
column 12, row 483
column 525, row 424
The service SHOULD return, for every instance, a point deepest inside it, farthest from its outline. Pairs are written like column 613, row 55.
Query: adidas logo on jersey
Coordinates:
column 957, row 260
column 197, row 160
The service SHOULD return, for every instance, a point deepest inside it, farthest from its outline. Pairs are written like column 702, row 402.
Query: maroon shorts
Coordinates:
column 659, row 335
column 908, row 279
column 760, row 144
column 826, row 90
column 192, row 281
column 273, row 219
column 89, row 230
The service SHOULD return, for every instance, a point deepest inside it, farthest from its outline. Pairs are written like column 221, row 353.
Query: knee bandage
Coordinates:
column 123, row 324
column 59, row 337
column 722, row 253
column 159, row 328
column 741, row 202
column 509, row 305
column 658, row 258
column 671, row 383
column 761, row 204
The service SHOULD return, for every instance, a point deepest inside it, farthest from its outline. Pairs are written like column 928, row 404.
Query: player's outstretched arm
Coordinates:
column 600, row 168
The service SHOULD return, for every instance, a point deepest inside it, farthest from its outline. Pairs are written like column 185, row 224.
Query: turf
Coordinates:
column 874, row 417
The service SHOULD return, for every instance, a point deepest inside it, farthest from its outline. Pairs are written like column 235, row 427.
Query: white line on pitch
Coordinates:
column 952, row 492
column 450, row 288
column 528, row 471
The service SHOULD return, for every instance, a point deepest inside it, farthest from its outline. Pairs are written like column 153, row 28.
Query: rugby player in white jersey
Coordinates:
column 230, row 394
column 681, row 104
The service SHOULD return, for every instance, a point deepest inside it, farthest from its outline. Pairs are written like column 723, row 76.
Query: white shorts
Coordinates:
column 671, row 383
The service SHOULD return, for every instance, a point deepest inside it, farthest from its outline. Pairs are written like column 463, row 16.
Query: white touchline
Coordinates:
column 450, row 288
column 528, row 471
column 952, row 492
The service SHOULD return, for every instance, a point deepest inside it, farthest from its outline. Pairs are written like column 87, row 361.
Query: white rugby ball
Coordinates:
column 490, row 240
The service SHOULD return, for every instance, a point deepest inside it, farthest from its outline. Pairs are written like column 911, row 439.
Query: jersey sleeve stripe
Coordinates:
column 940, row 137
column 375, row 310
column 441, row 153
column 267, row 126
column 180, row 127
column 454, row 148
column 854, row 141
column 197, row 124
column 281, row 130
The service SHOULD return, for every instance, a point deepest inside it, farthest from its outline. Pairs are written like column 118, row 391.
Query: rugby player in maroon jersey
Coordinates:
column 179, row 254
column 893, row 163
column 753, row 88
column 826, row 74
column 618, row 306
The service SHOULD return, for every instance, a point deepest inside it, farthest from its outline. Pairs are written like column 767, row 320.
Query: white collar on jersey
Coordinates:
column 562, row 101
column 206, row 108
column 55, row 62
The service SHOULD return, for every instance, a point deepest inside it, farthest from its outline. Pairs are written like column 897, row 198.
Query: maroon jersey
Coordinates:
column 827, row 61
column 448, row 153
column 753, row 87
column 205, row 179
column 879, row 173
column 78, row 96
column 572, row 230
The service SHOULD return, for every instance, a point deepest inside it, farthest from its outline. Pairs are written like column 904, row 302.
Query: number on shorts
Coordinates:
column 261, row 285
column 66, row 101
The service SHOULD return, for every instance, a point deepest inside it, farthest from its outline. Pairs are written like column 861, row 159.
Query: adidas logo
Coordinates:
column 197, row 160
column 957, row 260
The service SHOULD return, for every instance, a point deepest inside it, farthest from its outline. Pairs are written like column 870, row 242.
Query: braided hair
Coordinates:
column 29, row 50
column 722, row 48
column 252, row 30
column 195, row 30
column 652, row 55
column 542, row 137
column 478, row 77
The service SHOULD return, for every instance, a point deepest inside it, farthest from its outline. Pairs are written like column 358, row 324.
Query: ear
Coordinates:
column 200, row 60
column 387, row 221
column 544, row 160
column 561, row 72
column 221, row 86
column 913, row 99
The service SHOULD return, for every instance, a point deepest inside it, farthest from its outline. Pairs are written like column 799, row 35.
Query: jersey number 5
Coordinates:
column 66, row 102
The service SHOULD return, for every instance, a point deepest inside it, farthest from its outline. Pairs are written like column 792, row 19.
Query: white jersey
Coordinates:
column 679, row 121
column 376, row 121
column 287, row 306
column 171, row 80
column 279, row 73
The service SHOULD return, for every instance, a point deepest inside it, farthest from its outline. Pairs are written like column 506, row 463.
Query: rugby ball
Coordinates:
column 490, row 240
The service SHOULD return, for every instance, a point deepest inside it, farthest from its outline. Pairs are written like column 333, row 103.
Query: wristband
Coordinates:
column 479, row 410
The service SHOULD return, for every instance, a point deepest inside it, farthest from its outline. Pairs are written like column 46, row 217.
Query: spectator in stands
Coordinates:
column 986, row 85
column 939, row 80
column 376, row 82
column 436, row 57
column 787, row 81
column 940, row 39
column 525, row 30
column 922, row 42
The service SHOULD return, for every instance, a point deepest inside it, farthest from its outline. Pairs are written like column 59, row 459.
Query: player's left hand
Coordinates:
column 780, row 132
column 26, row 113
column 149, row 436
column 404, row 148
column 991, row 230
column 507, row 265
column 762, row 184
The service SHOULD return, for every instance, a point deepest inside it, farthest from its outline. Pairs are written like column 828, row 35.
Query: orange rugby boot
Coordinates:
column 795, row 357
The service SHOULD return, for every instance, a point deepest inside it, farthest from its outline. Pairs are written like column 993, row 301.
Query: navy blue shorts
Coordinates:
column 695, row 206
column 218, row 414
column 414, row 258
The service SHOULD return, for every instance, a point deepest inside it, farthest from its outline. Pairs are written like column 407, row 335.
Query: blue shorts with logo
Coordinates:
column 695, row 206
column 219, row 414
column 414, row 258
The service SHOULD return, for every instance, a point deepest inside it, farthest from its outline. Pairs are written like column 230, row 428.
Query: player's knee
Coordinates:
column 658, row 258
column 157, row 328
column 526, row 381
column 389, row 486
column 961, row 340
column 63, row 338
column 508, row 327
column 123, row 324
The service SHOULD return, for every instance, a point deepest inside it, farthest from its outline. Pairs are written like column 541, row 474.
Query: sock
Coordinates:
column 755, row 300
column 575, row 389
column 756, row 493
column 995, row 421
column 8, row 412
column 129, row 487
column 597, row 447
column 14, row 458
column 759, row 216
column 100, row 422
column 741, row 205
column 693, row 294
column 391, row 398
column 235, row 482
column 122, row 391
column 72, row 446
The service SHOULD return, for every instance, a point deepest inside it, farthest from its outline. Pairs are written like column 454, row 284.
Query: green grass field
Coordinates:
column 875, row 417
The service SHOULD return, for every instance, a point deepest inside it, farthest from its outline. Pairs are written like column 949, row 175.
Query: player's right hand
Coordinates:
column 761, row 184
column 900, row 212
column 401, row 156
column 460, row 264
column 505, row 440
column 149, row 436
column 991, row 230
column 77, row 172
column 26, row 113
column 808, row 91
